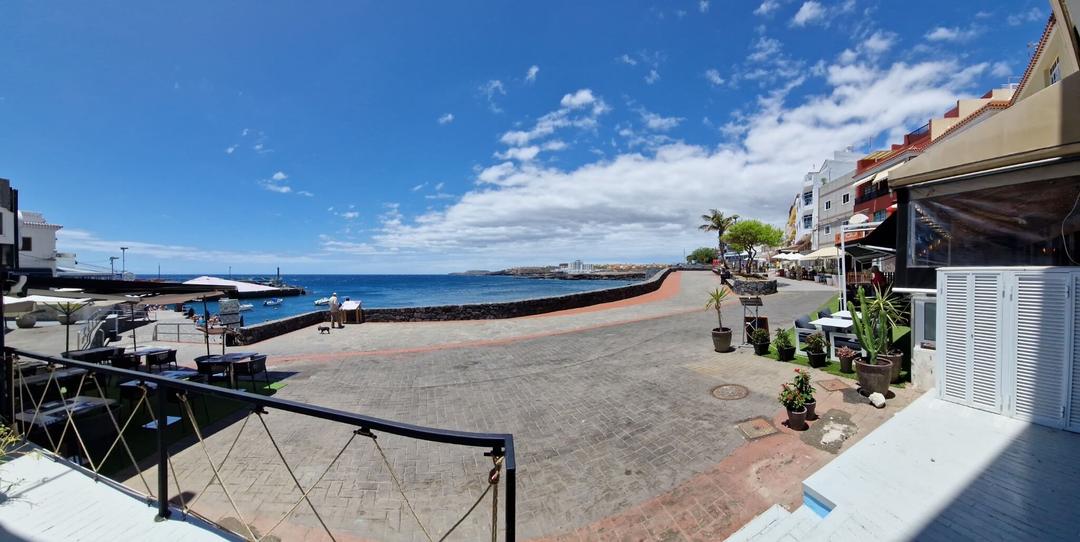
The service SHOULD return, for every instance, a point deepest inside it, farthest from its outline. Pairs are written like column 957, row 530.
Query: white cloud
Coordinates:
column 879, row 42
column 657, row 122
column 523, row 154
column 652, row 77
column 870, row 48
column 954, row 33
column 244, row 132
column 279, row 176
column 231, row 149
column 1030, row 16
column 305, row 193
column 713, row 77
column 446, row 118
column 579, row 109
column 626, row 59
column 491, row 90
column 764, row 48
column 418, row 187
column 350, row 215
column 1001, row 69
column 74, row 240
column 530, row 76
column 703, row 6
column 767, row 7
column 643, row 204
column 809, row 13
column 439, row 186
column 279, row 188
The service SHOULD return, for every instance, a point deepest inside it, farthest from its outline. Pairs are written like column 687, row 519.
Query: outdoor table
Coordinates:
column 838, row 323
column 58, row 375
column 55, row 411
column 842, row 314
column 130, row 388
column 100, row 354
column 227, row 361
column 142, row 352
column 28, row 367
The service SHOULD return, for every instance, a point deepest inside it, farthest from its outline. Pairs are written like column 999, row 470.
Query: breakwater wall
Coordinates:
column 474, row 311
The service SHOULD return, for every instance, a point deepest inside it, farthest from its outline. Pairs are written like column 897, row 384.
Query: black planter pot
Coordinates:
column 796, row 419
column 811, row 406
column 817, row 360
column 721, row 339
column 874, row 378
column 761, row 349
column 845, row 365
column 785, row 354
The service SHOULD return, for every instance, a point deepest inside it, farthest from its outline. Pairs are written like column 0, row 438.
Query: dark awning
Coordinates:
column 878, row 243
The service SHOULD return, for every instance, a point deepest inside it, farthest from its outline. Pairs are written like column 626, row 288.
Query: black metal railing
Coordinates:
column 871, row 193
column 499, row 446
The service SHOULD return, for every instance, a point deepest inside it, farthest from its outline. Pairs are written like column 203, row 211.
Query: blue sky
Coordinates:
column 369, row 137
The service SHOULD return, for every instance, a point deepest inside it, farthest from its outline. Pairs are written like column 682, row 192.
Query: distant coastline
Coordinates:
column 599, row 272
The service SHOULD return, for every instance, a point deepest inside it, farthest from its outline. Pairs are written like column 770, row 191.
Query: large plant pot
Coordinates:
column 811, row 407
column 874, row 378
column 761, row 349
column 817, row 360
column 846, row 365
column 796, row 419
column 721, row 339
column 785, row 354
column 26, row 321
column 896, row 358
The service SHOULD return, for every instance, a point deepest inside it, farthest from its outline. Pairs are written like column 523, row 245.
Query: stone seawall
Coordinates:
column 477, row 311
column 515, row 309
column 266, row 330
column 753, row 287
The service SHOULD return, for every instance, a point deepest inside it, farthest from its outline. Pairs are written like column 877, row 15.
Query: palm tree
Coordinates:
column 717, row 222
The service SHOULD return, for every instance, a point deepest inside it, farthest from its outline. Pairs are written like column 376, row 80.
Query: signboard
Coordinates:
column 229, row 312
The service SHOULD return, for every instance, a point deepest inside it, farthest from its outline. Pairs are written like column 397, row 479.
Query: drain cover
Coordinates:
column 730, row 392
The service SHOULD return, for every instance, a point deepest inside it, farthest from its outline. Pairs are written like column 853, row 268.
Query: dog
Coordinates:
column 324, row 329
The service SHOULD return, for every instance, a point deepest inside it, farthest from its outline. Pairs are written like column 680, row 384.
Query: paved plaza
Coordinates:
column 618, row 433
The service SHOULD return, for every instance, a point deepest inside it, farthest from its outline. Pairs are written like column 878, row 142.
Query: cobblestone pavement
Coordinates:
column 616, row 431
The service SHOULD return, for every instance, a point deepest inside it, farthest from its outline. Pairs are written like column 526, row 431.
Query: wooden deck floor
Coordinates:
column 50, row 499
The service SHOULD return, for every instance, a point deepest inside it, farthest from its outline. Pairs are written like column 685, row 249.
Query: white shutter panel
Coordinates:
column 1041, row 339
column 955, row 317
column 987, row 289
column 1074, row 401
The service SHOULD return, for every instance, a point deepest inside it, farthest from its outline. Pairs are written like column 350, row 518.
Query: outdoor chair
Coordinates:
column 208, row 370
column 158, row 359
column 252, row 367
column 803, row 329
column 126, row 361
column 838, row 340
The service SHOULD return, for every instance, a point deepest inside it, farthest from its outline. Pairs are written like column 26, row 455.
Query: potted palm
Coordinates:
column 721, row 336
column 846, row 355
column 815, row 350
column 796, row 407
column 760, row 339
column 802, row 385
column 873, row 326
column 785, row 349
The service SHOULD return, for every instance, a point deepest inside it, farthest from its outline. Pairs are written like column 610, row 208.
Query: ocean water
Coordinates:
column 392, row 291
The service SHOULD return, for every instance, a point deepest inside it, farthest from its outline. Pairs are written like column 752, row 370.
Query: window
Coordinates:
column 27, row 244
column 828, row 230
column 924, row 322
column 879, row 215
column 807, row 222
column 847, row 198
column 828, row 204
column 807, row 198
column 1054, row 75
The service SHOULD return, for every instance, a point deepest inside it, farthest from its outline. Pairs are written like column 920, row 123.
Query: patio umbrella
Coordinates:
column 68, row 307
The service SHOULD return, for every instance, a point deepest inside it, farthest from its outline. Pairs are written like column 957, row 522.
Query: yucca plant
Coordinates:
column 716, row 298
column 874, row 321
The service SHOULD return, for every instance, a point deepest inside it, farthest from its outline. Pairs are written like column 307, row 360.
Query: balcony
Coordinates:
column 871, row 194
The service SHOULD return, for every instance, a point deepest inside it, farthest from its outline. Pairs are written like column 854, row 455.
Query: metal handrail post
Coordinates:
column 163, row 455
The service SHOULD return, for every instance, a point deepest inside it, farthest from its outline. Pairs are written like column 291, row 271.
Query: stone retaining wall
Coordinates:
column 515, row 309
column 753, row 287
column 478, row 311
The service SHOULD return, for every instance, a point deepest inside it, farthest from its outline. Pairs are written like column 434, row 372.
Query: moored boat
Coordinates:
column 322, row 301
column 246, row 307
column 273, row 302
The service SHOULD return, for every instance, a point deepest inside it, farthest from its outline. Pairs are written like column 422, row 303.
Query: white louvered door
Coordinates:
column 954, row 323
column 986, row 340
column 1074, row 398
column 1043, row 325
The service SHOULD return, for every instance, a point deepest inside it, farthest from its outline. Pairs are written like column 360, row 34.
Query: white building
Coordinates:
column 807, row 209
column 836, row 201
column 37, row 243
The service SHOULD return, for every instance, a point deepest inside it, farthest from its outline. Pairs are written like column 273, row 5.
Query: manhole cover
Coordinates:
column 730, row 392
column 756, row 428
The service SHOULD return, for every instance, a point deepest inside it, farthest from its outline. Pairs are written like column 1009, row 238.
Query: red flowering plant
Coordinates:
column 791, row 398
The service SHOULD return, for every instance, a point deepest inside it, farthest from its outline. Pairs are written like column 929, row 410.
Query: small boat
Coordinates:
column 273, row 302
column 246, row 307
column 322, row 301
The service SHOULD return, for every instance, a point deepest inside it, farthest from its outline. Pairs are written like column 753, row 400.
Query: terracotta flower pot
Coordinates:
column 846, row 365
column 896, row 358
column 817, row 359
column 785, row 354
column 796, row 419
column 874, row 378
column 721, row 339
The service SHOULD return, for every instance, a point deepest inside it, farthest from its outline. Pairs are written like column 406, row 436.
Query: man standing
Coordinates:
column 335, row 311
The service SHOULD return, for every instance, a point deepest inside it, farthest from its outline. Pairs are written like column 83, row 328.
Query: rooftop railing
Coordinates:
column 37, row 411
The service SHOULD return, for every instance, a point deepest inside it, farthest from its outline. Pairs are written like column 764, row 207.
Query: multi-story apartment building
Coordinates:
column 836, row 201
column 806, row 208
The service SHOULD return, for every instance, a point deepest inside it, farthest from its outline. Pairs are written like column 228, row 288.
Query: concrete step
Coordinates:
column 757, row 526
column 793, row 528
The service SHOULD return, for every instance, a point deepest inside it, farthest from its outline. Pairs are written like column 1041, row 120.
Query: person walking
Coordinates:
column 335, row 311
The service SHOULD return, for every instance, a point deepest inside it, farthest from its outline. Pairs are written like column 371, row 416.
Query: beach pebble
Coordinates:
column 877, row 400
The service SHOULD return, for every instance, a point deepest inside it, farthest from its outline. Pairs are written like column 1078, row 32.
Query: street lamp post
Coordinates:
column 123, row 252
